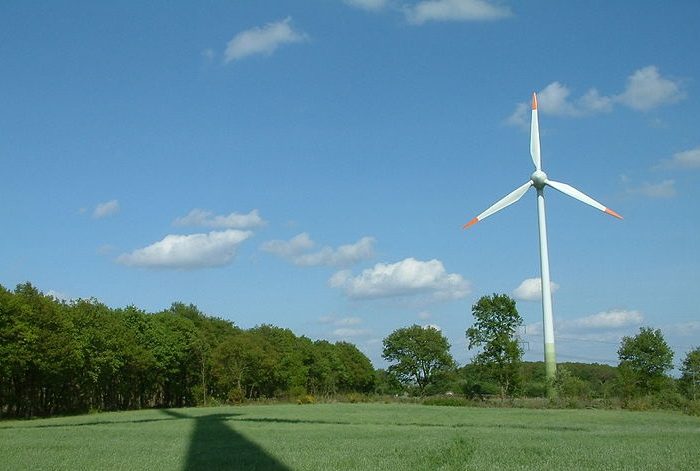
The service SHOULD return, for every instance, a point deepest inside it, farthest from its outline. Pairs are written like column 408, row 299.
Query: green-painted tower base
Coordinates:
column 550, row 368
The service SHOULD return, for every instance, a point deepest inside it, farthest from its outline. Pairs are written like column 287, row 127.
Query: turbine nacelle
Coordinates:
column 538, row 179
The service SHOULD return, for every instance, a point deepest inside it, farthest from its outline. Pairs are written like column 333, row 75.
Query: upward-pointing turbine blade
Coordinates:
column 574, row 193
column 535, row 135
column 509, row 199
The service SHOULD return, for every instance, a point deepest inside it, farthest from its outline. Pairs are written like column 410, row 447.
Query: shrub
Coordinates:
column 692, row 407
column 306, row 399
column 446, row 401
column 235, row 396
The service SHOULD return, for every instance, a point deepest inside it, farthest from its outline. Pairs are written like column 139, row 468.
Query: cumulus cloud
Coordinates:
column 345, row 326
column 606, row 326
column 217, row 248
column 203, row 218
column 404, row 278
column 645, row 89
column 105, row 209
column 614, row 319
column 350, row 332
column 455, row 10
column 663, row 189
column 262, row 40
column 685, row 159
column 340, row 321
column 369, row 5
column 298, row 251
column 424, row 315
column 683, row 329
column 531, row 289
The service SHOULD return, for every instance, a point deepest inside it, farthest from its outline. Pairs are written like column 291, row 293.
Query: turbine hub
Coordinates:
column 539, row 178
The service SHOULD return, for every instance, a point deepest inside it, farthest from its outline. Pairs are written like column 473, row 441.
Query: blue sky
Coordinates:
column 310, row 164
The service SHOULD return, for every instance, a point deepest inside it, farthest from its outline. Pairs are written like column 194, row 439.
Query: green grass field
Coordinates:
column 354, row 436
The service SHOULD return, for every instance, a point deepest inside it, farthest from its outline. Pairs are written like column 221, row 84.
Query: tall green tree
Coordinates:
column 644, row 361
column 419, row 354
column 496, row 321
column 690, row 374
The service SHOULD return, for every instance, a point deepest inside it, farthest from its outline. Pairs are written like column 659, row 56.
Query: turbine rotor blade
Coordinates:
column 535, row 135
column 574, row 193
column 507, row 200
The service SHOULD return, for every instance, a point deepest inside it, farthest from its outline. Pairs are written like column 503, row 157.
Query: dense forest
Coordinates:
column 67, row 357
column 60, row 357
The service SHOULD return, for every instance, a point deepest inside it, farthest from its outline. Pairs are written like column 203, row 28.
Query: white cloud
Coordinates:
column 349, row 332
column 57, row 295
column 531, row 289
column 296, row 250
column 424, row 315
column 683, row 329
column 685, row 159
column 203, row 218
column 407, row 277
column 646, row 89
column 105, row 209
column 455, row 10
column 663, row 189
column 607, row 326
column 214, row 249
column 554, row 100
column 262, row 40
column 369, row 5
column 593, row 102
column 345, row 326
column 289, row 249
column 433, row 326
column 520, row 116
column 614, row 319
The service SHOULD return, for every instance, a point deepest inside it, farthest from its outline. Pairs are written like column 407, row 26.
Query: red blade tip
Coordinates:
column 534, row 101
column 470, row 223
column 612, row 213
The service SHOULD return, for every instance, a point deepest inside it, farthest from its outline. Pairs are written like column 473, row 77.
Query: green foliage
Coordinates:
column 690, row 374
column 306, row 399
column 446, row 401
column 496, row 321
column 644, row 361
column 386, row 383
column 66, row 357
column 419, row 354
column 569, row 386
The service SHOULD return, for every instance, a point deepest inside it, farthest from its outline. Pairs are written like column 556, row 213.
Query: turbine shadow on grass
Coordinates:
column 214, row 444
column 552, row 428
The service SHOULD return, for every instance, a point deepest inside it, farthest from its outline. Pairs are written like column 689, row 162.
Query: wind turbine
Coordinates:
column 539, row 180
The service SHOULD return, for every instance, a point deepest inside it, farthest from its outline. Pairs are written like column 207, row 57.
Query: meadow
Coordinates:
column 354, row 436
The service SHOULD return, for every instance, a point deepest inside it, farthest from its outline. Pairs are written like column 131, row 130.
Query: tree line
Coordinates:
column 59, row 357
column 62, row 357
column 422, row 364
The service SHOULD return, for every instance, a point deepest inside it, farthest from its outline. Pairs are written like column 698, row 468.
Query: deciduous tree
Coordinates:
column 690, row 374
column 496, row 320
column 418, row 353
column 644, row 361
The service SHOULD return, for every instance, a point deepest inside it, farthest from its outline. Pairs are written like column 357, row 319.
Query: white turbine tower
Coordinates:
column 539, row 180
